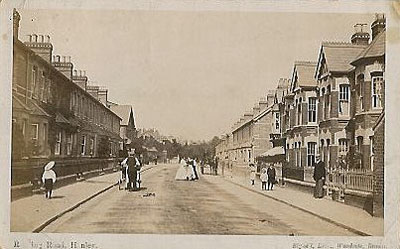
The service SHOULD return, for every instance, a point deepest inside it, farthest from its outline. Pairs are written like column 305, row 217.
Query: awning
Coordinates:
column 276, row 151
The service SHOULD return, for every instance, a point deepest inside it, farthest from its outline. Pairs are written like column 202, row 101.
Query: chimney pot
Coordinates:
column 34, row 38
column 58, row 58
column 69, row 58
column 48, row 38
column 41, row 38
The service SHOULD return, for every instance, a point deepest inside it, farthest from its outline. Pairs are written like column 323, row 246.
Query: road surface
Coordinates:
column 211, row 205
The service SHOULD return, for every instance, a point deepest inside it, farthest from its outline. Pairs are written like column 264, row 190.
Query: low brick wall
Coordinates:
column 26, row 175
column 31, row 170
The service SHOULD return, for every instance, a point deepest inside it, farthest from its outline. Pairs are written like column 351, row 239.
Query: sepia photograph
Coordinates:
column 168, row 122
column 236, row 125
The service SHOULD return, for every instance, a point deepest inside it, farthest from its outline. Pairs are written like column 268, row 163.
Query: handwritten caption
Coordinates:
column 337, row 246
column 53, row 244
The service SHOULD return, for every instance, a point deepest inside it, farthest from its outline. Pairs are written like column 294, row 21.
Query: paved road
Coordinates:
column 208, row 206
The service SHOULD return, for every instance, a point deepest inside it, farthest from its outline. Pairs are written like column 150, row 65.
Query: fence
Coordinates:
column 338, row 181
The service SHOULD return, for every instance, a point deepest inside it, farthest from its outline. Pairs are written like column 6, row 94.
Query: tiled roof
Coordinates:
column 123, row 111
column 338, row 55
column 375, row 49
column 305, row 72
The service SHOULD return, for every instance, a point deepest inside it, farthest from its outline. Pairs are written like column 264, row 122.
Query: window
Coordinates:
column 69, row 144
column 41, row 90
column 360, row 82
column 298, row 154
column 277, row 122
column 83, row 145
column 299, row 112
column 57, row 150
column 312, row 110
column 328, row 152
column 359, row 143
column 91, row 149
column 311, row 153
column 343, row 146
column 35, row 131
column 377, row 92
column 33, row 83
column 344, row 99
column 371, row 152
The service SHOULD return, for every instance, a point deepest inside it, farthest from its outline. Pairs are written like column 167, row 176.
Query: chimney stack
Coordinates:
column 360, row 36
column 63, row 64
column 270, row 98
column 16, row 19
column 79, row 78
column 263, row 104
column 378, row 25
column 40, row 45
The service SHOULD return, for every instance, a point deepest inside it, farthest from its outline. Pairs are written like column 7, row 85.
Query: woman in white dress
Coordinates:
column 183, row 171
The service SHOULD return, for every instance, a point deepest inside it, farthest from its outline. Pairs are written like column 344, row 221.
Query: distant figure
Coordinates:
column 49, row 178
column 195, row 169
column 252, row 173
column 319, row 177
column 263, row 178
column 271, row 177
column 183, row 172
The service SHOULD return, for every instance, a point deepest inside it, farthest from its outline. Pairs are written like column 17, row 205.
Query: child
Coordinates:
column 263, row 178
column 49, row 178
column 252, row 174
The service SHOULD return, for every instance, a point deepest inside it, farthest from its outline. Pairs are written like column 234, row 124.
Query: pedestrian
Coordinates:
column 252, row 173
column 132, row 173
column 319, row 177
column 263, row 178
column 195, row 173
column 271, row 176
column 49, row 178
column 123, row 177
column 138, row 166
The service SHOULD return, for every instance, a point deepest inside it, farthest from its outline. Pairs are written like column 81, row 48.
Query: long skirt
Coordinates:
column 319, row 189
column 182, row 173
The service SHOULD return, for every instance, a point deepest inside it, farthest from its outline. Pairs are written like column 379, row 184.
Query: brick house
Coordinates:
column 302, row 133
column 368, row 96
column 54, row 117
column 333, row 73
column 127, row 130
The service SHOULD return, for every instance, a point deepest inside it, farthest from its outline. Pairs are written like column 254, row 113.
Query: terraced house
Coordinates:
column 334, row 107
column 301, row 132
column 54, row 116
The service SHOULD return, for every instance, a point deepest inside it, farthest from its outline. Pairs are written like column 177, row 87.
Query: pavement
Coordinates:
column 31, row 214
column 353, row 218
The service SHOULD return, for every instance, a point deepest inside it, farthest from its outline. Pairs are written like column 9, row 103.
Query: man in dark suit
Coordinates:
column 271, row 177
column 319, row 177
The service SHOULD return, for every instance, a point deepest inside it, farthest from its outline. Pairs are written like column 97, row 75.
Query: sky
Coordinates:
column 190, row 74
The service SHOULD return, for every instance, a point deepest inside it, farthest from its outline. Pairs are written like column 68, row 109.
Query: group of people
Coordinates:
column 188, row 170
column 130, row 173
column 267, row 177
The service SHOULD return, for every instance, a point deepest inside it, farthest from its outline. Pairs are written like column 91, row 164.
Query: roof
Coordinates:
column 375, row 49
column 339, row 55
column 124, row 112
column 273, row 152
column 305, row 73
column 31, row 107
column 282, row 89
